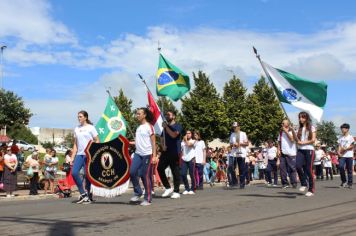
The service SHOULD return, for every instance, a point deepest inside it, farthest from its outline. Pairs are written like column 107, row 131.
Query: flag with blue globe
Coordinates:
column 171, row 81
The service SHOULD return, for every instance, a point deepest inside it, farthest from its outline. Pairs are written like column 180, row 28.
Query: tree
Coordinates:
column 69, row 140
column 264, row 115
column 125, row 106
column 21, row 132
column 204, row 110
column 13, row 110
column 326, row 133
column 234, row 97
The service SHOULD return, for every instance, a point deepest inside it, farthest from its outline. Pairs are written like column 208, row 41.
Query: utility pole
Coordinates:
column 2, row 48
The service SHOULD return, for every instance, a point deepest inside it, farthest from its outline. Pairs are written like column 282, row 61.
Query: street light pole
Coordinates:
column 2, row 48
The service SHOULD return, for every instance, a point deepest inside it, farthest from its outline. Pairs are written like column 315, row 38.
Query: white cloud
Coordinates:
column 40, row 39
column 31, row 22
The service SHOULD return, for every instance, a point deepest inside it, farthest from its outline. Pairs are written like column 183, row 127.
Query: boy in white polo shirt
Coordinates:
column 346, row 154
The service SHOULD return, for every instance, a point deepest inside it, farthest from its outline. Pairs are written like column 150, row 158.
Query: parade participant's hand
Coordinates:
column 164, row 124
column 164, row 148
column 278, row 153
column 286, row 130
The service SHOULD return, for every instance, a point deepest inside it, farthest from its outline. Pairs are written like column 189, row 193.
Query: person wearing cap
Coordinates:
column 10, row 173
column 346, row 154
column 32, row 161
column 319, row 157
column 239, row 143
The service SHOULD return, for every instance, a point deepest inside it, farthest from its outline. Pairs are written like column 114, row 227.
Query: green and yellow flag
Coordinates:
column 111, row 123
column 171, row 81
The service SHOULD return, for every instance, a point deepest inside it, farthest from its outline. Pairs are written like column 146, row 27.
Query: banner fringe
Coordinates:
column 109, row 193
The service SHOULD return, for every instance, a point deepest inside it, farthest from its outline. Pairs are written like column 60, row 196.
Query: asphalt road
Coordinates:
column 256, row 210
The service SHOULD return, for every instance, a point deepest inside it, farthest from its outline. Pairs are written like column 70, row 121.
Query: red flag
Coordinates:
column 157, row 118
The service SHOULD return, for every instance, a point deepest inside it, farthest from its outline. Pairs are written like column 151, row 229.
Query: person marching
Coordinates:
column 200, row 159
column 319, row 158
column 346, row 154
column 306, row 137
column 145, row 142
column 171, row 150
column 272, row 164
column 83, row 134
column 287, row 152
column 239, row 142
column 188, row 163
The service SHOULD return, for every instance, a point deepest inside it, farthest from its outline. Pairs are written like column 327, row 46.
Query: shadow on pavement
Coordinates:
column 295, row 230
column 56, row 227
column 292, row 193
column 268, row 196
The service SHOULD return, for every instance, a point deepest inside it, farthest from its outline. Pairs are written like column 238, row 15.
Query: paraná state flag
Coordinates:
column 304, row 94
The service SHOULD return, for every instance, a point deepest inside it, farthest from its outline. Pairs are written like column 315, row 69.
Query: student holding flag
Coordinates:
column 145, row 142
column 306, row 137
column 171, row 150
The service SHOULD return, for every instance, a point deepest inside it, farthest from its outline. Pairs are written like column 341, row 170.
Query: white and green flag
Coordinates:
column 111, row 123
column 304, row 94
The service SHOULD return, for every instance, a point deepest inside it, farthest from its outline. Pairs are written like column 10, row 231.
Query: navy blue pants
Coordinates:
column 231, row 173
column 272, row 167
column 200, row 175
column 242, row 170
column 348, row 162
column 305, row 160
column 188, row 165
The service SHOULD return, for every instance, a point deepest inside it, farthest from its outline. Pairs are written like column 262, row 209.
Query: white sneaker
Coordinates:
column 175, row 196
column 185, row 192
column 275, row 185
column 8, row 195
column 167, row 192
column 309, row 194
column 135, row 199
column 302, row 189
column 145, row 203
column 191, row 192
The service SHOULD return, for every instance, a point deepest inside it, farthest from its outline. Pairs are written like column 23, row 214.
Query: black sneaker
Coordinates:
column 343, row 185
column 86, row 200
column 81, row 198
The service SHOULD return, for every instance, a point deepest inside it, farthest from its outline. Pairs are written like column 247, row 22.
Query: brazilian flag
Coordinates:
column 171, row 81
column 111, row 123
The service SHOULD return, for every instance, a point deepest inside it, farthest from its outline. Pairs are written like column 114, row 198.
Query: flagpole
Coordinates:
column 269, row 80
column 128, row 126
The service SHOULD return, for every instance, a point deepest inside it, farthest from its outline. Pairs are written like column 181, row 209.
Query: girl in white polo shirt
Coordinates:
column 145, row 142
column 306, row 137
column 83, row 134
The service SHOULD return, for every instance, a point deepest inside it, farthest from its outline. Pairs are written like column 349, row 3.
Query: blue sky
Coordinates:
column 62, row 55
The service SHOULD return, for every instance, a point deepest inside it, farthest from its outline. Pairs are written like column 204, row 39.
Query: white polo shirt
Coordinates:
column 143, row 139
column 345, row 142
column 243, row 138
column 304, row 138
column 84, row 134
column 188, row 152
column 271, row 153
column 288, row 147
column 199, row 151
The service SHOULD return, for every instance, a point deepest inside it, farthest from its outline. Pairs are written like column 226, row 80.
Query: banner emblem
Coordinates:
column 108, row 164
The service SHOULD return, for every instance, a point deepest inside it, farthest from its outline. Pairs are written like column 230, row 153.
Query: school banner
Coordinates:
column 108, row 167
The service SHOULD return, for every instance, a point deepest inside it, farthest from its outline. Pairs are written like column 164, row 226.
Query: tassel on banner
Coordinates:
column 110, row 193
